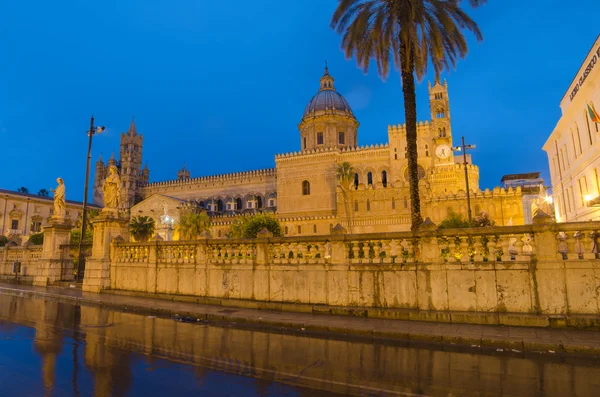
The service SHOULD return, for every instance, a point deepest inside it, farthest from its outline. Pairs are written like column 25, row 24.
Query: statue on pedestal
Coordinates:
column 60, row 205
column 112, row 188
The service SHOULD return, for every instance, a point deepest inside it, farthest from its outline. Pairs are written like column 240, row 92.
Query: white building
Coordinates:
column 573, row 148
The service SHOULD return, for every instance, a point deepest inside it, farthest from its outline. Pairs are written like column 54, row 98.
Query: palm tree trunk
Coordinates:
column 410, row 113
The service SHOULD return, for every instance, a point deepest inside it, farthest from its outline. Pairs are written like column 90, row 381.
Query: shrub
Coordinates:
column 457, row 221
column 3, row 241
column 76, row 236
column 37, row 239
column 258, row 222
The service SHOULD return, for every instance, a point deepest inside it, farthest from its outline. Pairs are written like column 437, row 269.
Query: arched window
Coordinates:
column 299, row 229
column 201, row 204
column 355, row 205
column 319, row 138
column 238, row 204
column 286, row 230
column 426, row 153
column 393, row 203
column 368, row 205
column 220, row 205
column 355, row 181
column 384, row 178
column 304, row 143
column 259, row 203
column 370, row 178
column 341, row 138
column 305, row 188
column 314, row 228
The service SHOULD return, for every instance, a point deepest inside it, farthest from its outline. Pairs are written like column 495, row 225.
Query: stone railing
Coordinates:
column 534, row 269
column 28, row 256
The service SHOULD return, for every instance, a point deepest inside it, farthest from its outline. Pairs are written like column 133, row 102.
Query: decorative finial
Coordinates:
column 326, row 67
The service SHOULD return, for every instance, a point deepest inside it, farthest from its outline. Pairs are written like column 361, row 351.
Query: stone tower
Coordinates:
column 131, row 166
column 132, row 176
column 183, row 173
column 328, row 120
column 441, row 127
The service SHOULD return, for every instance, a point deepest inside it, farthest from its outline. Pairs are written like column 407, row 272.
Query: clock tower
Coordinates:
column 440, row 123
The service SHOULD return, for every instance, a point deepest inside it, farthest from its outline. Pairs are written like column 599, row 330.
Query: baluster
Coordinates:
column 571, row 251
column 452, row 250
column 478, row 247
column 277, row 253
column 464, row 249
column 587, row 240
column 355, row 249
column 505, row 244
column 303, row 251
column 365, row 251
column 313, row 252
column 519, row 244
column 410, row 248
column 385, row 248
column 376, row 252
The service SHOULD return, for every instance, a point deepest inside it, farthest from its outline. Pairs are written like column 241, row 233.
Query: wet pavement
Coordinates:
column 50, row 348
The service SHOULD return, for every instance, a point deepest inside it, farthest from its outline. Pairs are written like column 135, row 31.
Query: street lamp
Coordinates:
column 92, row 131
column 464, row 149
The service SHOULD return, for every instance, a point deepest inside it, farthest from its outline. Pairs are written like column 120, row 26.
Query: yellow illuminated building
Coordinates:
column 303, row 190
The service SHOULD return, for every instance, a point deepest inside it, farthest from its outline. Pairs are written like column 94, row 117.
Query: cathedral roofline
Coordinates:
column 211, row 178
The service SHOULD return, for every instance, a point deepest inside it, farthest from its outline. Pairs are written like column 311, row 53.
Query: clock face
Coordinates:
column 443, row 151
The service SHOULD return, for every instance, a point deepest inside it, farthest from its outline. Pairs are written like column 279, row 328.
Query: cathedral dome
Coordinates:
column 328, row 99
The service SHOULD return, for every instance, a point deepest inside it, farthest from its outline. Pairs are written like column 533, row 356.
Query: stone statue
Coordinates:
column 112, row 188
column 60, row 205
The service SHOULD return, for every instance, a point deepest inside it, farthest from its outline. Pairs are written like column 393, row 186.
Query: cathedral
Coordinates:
column 303, row 190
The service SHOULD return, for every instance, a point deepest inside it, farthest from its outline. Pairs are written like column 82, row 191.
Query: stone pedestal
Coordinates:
column 108, row 225
column 56, row 233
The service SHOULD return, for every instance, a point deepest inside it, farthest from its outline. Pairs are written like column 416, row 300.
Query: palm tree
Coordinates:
column 23, row 189
column 141, row 228
column 344, row 173
column 412, row 33
column 43, row 193
column 192, row 224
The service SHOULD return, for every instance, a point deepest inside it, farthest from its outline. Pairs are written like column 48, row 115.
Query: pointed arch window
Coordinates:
column 368, row 205
column 355, row 205
column 370, row 178
column 304, row 143
column 393, row 203
column 356, row 181
column 384, row 178
column 314, row 228
column 238, row 203
column 306, row 188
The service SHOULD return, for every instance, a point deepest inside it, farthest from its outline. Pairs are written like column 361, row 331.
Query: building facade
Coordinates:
column 573, row 147
column 303, row 189
column 23, row 214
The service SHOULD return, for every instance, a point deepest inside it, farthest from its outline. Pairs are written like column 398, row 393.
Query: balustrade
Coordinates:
column 231, row 253
column 300, row 252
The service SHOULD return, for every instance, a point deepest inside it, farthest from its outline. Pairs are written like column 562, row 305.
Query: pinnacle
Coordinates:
column 132, row 129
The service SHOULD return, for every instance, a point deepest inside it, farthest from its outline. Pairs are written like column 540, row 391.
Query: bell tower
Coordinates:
column 441, row 128
column 131, row 164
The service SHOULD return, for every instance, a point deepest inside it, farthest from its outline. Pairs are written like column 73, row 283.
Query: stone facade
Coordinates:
column 24, row 214
column 573, row 147
column 303, row 189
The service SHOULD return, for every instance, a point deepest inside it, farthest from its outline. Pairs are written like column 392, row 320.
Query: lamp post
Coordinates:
column 464, row 148
column 92, row 131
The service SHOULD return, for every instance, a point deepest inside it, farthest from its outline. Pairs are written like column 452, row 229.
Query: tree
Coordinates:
column 23, row 189
column 457, row 221
column 37, row 239
column 344, row 173
column 141, row 228
column 192, row 224
column 239, row 226
column 76, row 236
column 258, row 222
column 412, row 33
column 43, row 193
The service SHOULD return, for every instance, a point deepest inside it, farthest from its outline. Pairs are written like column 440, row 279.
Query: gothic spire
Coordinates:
column 100, row 159
column 132, row 130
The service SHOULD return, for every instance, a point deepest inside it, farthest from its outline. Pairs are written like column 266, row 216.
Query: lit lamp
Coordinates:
column 548, row 199
column 463, row 148
column 587, row 198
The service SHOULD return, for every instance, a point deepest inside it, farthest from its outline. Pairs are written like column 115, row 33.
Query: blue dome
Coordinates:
column 327, row 99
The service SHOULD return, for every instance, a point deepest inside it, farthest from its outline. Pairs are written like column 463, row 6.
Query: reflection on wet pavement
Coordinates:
column 90, row 351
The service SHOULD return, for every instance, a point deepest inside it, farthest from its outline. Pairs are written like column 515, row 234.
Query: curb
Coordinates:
column 320, row 328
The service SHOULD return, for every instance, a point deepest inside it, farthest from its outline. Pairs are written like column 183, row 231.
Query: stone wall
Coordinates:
column 483, row 275
column 28, row 256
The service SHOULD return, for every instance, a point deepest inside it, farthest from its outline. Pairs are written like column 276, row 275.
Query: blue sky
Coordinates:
column 223, row 88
